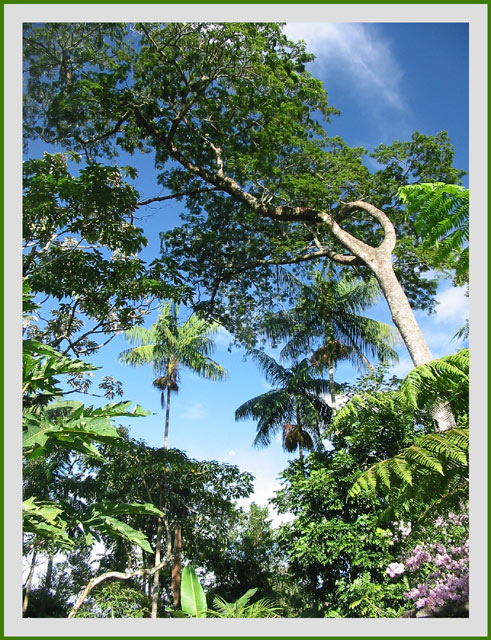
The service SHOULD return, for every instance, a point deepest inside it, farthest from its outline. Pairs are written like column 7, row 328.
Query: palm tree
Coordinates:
column 168, row 346
column 327, row 312
column 295, row 407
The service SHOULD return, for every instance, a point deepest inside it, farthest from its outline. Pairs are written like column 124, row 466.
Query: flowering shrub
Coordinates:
column 444, row 564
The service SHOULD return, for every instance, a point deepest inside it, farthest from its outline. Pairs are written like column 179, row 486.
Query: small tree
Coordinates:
column 296, row 406
column 326, row 320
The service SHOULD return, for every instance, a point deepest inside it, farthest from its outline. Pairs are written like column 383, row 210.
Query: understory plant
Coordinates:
column 194, row 604
column 440, row 567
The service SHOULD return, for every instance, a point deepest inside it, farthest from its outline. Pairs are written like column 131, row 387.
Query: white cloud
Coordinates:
column 339, row 400
column 453, row 306
column 264, row 490
column 222, row 337
column 195, row 411
column 402, row 368
column 356, row 50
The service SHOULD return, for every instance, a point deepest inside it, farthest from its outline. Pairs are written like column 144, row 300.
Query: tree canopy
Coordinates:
column 261, row 167
column 287, row 234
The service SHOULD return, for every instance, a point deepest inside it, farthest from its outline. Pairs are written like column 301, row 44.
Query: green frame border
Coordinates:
column 2, row 269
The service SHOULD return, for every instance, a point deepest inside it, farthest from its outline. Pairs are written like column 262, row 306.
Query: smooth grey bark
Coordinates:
column 378, row 259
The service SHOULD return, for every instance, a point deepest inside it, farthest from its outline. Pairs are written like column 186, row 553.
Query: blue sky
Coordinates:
column 388, row 80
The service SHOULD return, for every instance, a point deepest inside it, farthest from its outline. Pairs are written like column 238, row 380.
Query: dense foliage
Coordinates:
column 287, row 239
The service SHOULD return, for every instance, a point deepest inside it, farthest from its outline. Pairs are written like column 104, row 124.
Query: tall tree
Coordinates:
column 167, row 346
column 295, row 406
column 326, row 320
column 263, row 182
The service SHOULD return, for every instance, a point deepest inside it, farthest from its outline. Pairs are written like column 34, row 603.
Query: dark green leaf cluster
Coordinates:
column 331, row 543
column 249, row 557
column 115, row 599
column 197, row 495
column 53, row 433
column 80, row 249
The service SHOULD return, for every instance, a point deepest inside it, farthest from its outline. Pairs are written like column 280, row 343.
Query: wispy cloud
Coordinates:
column 222, row 337
column 195, row 411
column 453, row 306
column 357, row 51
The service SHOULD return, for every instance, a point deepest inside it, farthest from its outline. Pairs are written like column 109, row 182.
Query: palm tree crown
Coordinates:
column 168, row 346
column 296, row 406
column 327, row 313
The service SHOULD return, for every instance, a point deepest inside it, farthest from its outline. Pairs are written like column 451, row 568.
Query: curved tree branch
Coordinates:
column 119, row 575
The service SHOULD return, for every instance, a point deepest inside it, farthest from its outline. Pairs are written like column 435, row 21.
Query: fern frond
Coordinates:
column 442, row 453
column 421, row 457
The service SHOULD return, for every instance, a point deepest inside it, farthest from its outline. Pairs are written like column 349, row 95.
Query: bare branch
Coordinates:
column 389, row 241
column 114, row 574
column 191, row 192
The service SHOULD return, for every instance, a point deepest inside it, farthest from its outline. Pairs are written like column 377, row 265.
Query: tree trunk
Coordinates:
column 176, row 564
column 401, row 312
column 29, row 583
column 379, row 260
column 404, row 320
column 158, row 549
column 46, row 588
column 167, row 412
column 332, row 390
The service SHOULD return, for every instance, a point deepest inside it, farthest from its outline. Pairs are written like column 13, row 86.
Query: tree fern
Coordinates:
column 442, row 221
column 439, row 461
column 445, row 379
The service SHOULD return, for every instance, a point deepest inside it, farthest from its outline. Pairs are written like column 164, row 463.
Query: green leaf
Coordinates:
column 113, row 527
column 193, row 599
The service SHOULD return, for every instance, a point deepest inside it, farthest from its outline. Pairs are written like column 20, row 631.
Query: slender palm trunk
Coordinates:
column 176, row 555
column 332, row 390
column 158, row 542
column 167, row 413
column 158, row 550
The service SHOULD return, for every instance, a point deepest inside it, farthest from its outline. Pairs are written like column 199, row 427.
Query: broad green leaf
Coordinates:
column 193, row 599
column 111, row 526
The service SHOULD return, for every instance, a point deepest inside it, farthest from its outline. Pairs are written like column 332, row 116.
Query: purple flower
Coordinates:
column 395, row 569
